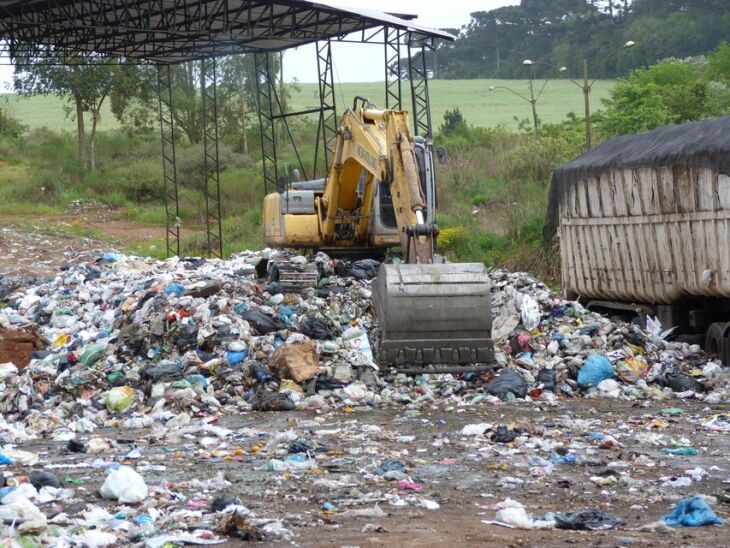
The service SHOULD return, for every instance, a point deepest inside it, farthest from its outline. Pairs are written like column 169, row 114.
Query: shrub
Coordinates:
column 454, row 122
column 10, row 126
column 191, row 164
column 42, row 187
column 140, row 181
column 479, row 199
column 451, row 237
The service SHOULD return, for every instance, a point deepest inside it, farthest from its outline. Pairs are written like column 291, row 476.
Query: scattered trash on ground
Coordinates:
column 195, row 401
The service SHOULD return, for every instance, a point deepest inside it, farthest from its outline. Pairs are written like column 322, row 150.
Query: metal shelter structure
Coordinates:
column 167, row 32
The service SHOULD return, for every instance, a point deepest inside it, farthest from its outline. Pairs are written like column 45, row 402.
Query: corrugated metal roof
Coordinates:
column 180, row 30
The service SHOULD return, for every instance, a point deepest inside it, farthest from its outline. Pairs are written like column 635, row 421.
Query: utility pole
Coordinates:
column 586, row 95
column 586, row 86
column 533, row 101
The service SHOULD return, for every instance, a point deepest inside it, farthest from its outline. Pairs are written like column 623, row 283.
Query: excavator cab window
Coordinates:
column 387, row 211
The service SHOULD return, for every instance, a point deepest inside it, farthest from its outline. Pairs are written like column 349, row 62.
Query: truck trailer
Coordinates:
column 644, row 227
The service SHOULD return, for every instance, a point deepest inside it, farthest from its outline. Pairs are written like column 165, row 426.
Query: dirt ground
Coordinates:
column 17, row 346
column 38, row 246
column 464, row 475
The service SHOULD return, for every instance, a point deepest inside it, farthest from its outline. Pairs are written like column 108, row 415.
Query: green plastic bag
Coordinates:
column 92, row 353
column 119, row 399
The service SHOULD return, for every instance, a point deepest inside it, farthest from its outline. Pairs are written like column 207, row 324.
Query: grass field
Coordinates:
column 479, row 106
column 48, row 111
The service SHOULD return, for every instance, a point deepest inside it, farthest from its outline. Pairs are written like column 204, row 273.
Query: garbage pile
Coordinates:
column 170, row 346
column 557, row 346
column 195, row 335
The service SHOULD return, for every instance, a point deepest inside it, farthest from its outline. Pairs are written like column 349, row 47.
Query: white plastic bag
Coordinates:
column 125, row 485
column 530, row 312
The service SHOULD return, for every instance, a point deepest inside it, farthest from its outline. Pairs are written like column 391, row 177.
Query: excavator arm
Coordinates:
column 377, row 143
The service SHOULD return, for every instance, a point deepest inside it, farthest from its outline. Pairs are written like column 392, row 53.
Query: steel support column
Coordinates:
column 265, row 102
column 169, row 168
column 393, row 69
column 209, row 91
column 418, row 75
column 327, row 129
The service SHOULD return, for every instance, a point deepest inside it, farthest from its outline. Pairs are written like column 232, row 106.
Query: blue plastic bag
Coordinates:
column 234, row 358
column 6, row 460
column 240, row 308
column 596, row 369
column 175, row 289
column 110, row 257
column 692, row 512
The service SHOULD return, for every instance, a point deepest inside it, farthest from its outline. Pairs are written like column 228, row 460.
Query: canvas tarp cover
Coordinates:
column 702, row 144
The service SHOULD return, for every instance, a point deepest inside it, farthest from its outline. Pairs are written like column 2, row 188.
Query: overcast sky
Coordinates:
column 358, row 62
column 364, row 63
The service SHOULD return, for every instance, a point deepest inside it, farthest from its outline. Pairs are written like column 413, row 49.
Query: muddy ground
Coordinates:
column 464, row 475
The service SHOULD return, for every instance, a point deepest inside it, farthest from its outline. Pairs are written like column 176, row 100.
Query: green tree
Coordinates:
column 239, row 79
column 454, row 122
column 236, row 96
column 562, row 32
column 84, row 82
column 671, row 91
column 632, row 108
column 10, row 126
column 718, row 63
column 681, row 86
column 134, row 90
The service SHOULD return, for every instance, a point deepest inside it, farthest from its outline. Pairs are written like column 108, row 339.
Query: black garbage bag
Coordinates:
column 329, row 291
column 221, row 502
column 271, row 401
column 546, row 377
column 680, row 382
column 186, row 337
column 263, row 323
column 260, row 372
column 261, row 268
column 167, row 372
column 316, row 328
column 589, row 520
column 324, row 382
column 274, row 288
column 504, row 435
column 76, row 446
column 507, row 382
column 41, row 478
column 364, row 269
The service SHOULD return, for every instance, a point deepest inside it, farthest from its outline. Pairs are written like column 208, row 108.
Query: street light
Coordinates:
column 585, row 86
column 532, row 99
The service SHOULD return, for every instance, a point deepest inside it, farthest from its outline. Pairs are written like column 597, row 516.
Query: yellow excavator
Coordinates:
column 380, row 193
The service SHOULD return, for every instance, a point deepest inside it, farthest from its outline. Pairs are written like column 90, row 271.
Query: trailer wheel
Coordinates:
column 715, row 340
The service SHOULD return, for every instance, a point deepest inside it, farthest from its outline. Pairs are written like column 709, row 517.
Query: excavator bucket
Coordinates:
column 434, row 314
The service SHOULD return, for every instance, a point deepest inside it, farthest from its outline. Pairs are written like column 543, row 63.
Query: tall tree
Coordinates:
column 238, row 79
column 85, row 82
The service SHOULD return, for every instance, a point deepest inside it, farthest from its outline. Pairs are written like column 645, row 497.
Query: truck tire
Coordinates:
column 715, row 340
